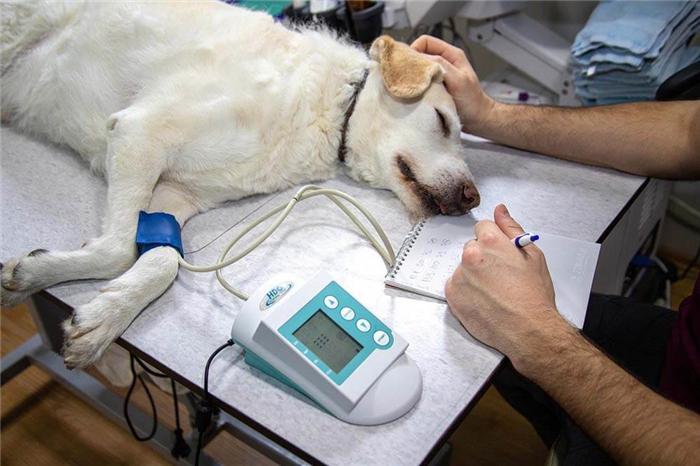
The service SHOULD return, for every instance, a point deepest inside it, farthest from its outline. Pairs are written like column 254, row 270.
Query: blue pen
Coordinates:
column 525, row 239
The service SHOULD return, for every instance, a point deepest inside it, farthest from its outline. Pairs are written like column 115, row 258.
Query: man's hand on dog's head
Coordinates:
column 473, row 105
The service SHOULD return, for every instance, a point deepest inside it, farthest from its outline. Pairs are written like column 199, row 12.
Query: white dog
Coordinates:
column 184, row 106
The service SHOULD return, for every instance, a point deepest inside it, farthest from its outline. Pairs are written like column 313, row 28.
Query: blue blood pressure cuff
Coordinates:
column 158, row 229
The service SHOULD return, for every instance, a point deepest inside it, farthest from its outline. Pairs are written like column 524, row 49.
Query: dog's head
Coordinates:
column 405, row 134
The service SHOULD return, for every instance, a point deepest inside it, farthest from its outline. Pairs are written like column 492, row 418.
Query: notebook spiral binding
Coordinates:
column 406, row 247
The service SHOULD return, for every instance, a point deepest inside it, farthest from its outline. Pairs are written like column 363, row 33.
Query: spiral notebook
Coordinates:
column 433, row 249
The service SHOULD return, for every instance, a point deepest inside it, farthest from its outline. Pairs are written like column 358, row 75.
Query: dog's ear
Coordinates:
column 405, row 72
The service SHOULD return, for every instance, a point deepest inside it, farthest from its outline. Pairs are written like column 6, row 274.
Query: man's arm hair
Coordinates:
column 658, row 139
column 635, row 425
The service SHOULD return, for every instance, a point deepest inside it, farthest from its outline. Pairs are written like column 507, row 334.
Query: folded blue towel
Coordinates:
column 631, row 25
column 616, row 58
column 628, row 48
column 617, row 90
column 612, row 89
column 650, row 69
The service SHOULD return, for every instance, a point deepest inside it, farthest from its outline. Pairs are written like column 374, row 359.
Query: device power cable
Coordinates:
column 205, row 408
column 181, row 448
column 386, row 251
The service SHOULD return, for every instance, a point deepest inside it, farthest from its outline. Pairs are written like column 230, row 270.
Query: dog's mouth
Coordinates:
column 458, row 201
column 428, row 202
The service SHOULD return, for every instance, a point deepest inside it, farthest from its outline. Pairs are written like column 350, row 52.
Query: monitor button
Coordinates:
column 363, row 325
column 381, row 338
column 330, row 301
column 347, row 313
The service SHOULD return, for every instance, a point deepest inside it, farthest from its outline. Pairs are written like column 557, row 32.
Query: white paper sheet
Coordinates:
column 433, row 251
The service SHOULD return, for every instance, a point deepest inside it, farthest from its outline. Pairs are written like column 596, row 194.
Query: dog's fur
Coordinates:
column 183, row 106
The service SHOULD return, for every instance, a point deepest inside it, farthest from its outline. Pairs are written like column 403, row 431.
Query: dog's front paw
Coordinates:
column 93, row 327
column 18, row 280
column 83, row 345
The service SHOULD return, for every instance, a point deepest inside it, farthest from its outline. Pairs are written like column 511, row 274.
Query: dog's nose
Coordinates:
column 470, row 197
column 462, row 200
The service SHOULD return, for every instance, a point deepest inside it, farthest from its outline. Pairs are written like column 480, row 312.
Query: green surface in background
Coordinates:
column 273, row 7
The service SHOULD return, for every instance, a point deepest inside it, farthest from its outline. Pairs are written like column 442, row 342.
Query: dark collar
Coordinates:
column 343, row 148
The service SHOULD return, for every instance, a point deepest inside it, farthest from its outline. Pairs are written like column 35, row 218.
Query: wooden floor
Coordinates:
column 44, row 424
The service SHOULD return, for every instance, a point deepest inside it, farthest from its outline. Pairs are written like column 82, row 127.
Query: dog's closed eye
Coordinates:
column 443, row 123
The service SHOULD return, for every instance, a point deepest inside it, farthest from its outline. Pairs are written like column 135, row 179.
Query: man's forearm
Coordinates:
column 659, row 139
column 632, row 423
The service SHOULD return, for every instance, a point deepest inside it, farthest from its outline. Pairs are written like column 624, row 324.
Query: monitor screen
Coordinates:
column 333, row 345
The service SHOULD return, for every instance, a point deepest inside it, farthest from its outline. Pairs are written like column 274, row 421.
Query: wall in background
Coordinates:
column 563, row 17
column 566, row 18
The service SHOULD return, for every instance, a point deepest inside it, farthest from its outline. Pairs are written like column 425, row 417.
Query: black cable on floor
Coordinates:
column 154, row 428
column 205, row 407
column 180, row 449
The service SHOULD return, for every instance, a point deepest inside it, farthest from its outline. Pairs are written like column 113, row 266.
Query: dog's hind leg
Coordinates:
column 136, row 158
column 97, row 324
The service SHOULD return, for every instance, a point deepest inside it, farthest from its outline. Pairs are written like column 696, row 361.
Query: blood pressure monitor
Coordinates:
column 318, row 339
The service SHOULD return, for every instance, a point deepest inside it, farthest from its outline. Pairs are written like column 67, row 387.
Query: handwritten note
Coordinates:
column 430, row 257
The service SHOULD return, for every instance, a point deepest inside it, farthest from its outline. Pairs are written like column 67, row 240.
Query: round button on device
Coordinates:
column 363, row 325
column 381, row 338
column 330, row 301
column 347, row 313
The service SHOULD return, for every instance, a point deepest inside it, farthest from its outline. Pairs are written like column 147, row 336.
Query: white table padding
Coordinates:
column 51, row 200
